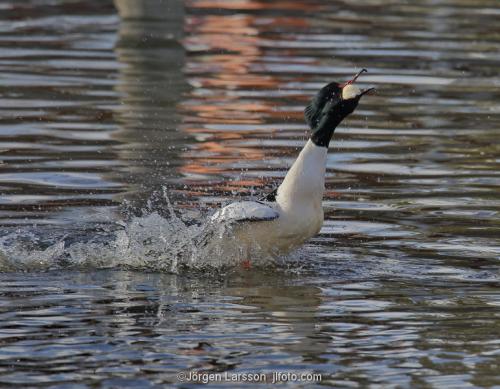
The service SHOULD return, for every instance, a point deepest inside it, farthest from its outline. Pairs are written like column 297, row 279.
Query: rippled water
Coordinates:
column 105, row 105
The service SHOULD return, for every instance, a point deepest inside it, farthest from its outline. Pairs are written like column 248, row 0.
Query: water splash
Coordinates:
column 151, row 242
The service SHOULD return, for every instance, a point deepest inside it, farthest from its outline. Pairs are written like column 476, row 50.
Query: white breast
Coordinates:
column 304, row 183
column 299, row 198
column 297, row 214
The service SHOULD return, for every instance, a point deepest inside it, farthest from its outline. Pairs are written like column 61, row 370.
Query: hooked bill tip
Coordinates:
column 354, row 78
column 367, row 91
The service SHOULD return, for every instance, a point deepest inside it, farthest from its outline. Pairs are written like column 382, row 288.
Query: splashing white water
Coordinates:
column 151, row 242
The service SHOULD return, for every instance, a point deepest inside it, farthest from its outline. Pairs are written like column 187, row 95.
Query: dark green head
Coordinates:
column 330, row 106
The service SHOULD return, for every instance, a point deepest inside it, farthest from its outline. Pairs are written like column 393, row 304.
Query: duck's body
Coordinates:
column 279, row 226
column 285, row 221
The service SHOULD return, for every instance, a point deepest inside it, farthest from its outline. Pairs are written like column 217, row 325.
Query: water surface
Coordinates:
column 105, row 106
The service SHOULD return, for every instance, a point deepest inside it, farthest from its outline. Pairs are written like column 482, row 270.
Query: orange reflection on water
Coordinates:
column 226, row 67
column 205, row 157
column 224, row 51
column 249, row 5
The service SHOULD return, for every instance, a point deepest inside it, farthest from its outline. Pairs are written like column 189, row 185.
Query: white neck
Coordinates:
column 305, row 181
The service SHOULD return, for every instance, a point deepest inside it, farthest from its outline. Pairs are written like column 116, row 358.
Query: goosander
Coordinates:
column 284, row 219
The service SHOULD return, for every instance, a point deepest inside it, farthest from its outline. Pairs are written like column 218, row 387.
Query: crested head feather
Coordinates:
column 314, row 109
column 310, row 113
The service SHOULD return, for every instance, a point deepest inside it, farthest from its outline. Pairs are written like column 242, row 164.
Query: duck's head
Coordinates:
column 330, row 106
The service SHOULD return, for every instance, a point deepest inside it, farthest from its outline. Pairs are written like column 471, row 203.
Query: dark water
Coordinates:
column 104, row 105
